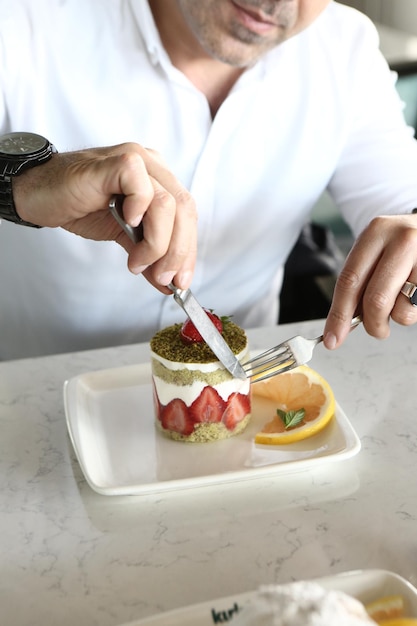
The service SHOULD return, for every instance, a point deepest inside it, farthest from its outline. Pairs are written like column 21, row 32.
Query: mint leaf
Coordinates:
column 291, row 418
column 225, row 319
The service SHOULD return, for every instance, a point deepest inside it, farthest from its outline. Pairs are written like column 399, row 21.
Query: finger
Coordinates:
column 404, row 311
column 157, row 224
column 178, row 264
column 135, row 185
column 381, row 292
column 349, row 288
column 168, row 248
column 381, row 297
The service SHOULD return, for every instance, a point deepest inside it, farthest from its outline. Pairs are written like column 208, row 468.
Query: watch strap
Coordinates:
column 7, row 208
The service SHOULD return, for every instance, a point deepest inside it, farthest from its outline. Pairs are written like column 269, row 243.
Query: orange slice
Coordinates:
column 386, row 608
column 301, row 388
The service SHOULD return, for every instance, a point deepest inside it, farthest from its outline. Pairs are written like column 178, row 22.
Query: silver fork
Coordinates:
column 285, row 356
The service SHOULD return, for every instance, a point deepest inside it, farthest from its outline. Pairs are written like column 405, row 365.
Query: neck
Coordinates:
column 210, row 76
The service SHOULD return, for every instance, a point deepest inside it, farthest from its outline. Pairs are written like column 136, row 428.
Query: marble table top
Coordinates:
column 72, row 556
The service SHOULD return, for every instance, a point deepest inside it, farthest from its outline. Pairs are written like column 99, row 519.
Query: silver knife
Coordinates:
column 185, row 299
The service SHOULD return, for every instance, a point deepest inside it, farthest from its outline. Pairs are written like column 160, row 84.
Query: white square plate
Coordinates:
column 365, row 585
column 110, row 419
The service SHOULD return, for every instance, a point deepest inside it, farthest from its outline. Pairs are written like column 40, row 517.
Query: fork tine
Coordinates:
column 269, row 355
column 274, row 361
column 269, row 372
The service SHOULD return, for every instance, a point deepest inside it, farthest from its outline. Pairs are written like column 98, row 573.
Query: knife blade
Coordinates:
column 208, row 331
column 186, row 300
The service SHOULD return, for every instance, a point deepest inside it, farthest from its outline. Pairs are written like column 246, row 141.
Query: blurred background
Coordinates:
column 401, row 14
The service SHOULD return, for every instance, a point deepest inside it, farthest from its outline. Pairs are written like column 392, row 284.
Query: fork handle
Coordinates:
column 355, row 322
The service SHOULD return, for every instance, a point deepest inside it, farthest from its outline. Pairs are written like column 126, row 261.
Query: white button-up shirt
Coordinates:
column 317, row 112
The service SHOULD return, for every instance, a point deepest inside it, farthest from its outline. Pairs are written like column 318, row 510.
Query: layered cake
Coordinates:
column 196, row 398
column 302, row 604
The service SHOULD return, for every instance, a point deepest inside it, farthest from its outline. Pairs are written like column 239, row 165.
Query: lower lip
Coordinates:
column 251, row 23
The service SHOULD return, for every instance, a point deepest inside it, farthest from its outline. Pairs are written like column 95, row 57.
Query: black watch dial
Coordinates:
column 21, row 144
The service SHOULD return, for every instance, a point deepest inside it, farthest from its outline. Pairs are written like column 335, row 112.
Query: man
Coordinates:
column 255, row 106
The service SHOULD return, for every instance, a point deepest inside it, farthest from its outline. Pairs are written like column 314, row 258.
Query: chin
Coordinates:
column 236, row 53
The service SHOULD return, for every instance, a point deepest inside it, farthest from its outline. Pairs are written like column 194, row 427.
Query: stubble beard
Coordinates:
column 239, row 46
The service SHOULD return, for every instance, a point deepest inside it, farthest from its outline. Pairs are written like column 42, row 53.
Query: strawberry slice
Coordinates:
column 238, row 406
column 208, row 407
column 189, row 333
column 175, row 417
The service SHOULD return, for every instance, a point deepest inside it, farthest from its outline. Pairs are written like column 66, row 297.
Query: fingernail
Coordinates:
column 136, row 221
column 165, row 278
column 138, row 269
column 183, row 279
column 330, row 341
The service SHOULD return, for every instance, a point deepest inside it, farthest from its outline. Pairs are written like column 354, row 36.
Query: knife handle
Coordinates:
column 135, row 233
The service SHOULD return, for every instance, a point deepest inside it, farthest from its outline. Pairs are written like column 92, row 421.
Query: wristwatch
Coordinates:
column 18, row 153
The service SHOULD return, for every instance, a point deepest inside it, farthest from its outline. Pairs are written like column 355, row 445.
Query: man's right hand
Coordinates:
column 73, row 190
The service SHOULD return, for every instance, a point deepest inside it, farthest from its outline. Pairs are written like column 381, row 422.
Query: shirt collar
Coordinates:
column 149, row 32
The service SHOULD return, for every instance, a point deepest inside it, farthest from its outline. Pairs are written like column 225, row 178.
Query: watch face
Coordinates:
column 20, row 144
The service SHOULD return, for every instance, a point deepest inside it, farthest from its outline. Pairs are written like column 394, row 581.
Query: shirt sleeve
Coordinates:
column 376, row 173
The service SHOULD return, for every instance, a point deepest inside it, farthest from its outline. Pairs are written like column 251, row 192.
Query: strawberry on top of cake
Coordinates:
column 196, row 398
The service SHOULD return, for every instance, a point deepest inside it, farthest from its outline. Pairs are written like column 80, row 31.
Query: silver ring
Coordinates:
column 410, row 291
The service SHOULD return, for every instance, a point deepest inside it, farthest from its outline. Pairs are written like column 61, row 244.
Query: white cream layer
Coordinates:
column 188, row 393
